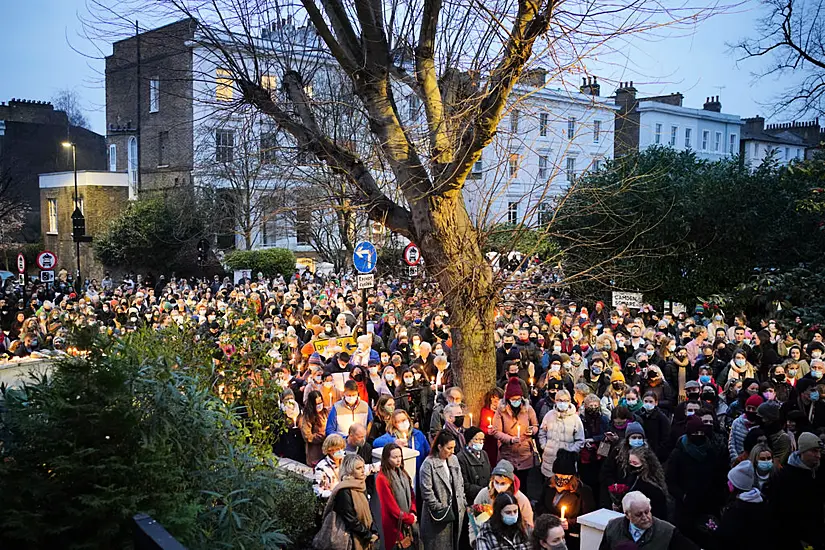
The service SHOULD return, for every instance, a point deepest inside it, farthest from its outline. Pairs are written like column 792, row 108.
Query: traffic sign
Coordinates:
column 364, row 257
column 413, row 271
column 22, row 279
column 21, row 263
column 412, row 254
column 47, row 276
column 46, row 260
column 366, row 281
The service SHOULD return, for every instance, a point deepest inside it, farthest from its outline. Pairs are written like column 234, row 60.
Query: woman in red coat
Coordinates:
column 397, row 498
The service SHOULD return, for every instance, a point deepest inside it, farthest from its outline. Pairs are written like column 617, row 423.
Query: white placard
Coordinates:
column 633, row 300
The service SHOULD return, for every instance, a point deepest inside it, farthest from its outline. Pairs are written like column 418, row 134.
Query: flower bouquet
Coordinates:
column 617, row 491
column 478, row 515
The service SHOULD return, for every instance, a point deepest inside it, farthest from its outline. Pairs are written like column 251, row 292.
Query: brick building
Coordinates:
column 31, row 134
column 102, row 195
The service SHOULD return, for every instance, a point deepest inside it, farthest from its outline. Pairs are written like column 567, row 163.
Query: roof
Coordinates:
column 784, row 137
column 655, row 106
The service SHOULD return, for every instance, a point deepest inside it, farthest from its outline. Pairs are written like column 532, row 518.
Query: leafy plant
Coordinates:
column 271, row 261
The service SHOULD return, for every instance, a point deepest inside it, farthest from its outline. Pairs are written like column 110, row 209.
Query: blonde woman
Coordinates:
column 327, row 469
column 350, row 503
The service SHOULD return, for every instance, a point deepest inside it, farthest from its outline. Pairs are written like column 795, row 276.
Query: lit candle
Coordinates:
column 471, row 419
column 490, row 423
column 531, row 383
column 518, row 431
column 563, row 510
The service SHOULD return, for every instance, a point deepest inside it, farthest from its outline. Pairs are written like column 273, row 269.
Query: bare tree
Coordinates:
column 458, row 61
column 792, row 37
column 67, row 100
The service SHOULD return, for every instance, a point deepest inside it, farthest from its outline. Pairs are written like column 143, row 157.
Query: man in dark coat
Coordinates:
column 640, row 529
column 475, row 466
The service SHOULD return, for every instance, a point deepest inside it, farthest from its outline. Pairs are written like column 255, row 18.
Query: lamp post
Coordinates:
column 78, row 221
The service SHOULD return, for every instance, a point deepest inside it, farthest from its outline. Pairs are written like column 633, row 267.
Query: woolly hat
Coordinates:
column 513, row 389
column 634, row 428
column 808, row 441
column 565, row 463
column 768, row 412
column 694, row 424
column 554, row 384
column 504, row 468
column 315, row 360
column 692, row 385
column 754, row 401
column 617, row 376
column 470, row 433
column 754, row 434
column 741, row 476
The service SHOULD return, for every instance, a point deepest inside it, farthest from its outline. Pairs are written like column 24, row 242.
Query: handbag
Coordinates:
column 407, row 540
column 333, row 534
column 604, row 449
column 448, row 516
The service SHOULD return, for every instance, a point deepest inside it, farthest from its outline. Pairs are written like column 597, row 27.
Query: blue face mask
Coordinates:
column 508, row 519
column 636, row 442
column 595, row 370
column 814, row 396
column 515, row 402
column 764, row 465
column 704, row 379
column 478, row 447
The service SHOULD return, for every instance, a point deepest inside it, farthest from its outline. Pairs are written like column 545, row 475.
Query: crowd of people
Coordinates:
column 704, row 430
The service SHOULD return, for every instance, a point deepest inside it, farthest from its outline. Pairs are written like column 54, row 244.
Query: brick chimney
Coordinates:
column 712, row 104
column 533, row 77
column 590, row 86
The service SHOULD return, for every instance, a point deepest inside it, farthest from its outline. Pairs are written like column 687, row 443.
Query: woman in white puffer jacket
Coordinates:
column 561, row 428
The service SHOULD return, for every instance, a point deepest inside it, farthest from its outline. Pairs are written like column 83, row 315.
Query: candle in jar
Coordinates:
column 563, row 510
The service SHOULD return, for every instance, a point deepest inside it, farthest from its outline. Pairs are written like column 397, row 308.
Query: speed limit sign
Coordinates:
column 412, row 255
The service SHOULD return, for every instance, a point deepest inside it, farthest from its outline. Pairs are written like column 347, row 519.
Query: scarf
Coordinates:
column 401, row 488
column 698, row 453
column 682, row 381
column 358, row 490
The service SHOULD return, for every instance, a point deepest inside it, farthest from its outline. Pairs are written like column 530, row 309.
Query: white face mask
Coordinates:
column 555, row 368
column 404, row 426
column 562, row 406
column 501, row 487
column 351, row 399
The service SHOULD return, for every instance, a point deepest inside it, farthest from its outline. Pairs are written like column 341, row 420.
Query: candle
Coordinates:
column 518, row 432
column 563, row 510
column 490, row 423
column 471, row 419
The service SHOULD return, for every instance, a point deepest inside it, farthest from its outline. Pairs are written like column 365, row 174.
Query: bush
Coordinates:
column 271, row 261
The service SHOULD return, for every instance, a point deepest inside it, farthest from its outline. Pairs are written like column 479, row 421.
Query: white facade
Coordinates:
column 783, row 151
column 546, row 139
column 710, row 135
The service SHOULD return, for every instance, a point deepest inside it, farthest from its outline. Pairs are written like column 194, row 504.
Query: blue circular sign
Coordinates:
column 364, row 257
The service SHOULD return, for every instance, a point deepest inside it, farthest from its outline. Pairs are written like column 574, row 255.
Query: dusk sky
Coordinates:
column 37, row 39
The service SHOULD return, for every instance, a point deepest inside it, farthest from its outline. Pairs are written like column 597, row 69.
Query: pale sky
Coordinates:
column 39, row 39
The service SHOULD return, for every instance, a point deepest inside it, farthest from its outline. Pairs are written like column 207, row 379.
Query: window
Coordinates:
column 154, row 95
column 571, row 127
column 787, row 154
column 302, row 223
column 717, row 142
column 544, row 120
column 673, row 131
column 597, row 130
column 543, row 167
column 597, row 165
column 705, row 139
column 132, row 163
column 687, row 138
column 571, row 168
column 309, row 91
column 414, row 104
column 512, row 212
column 52, row 203
column 799, row 153
column 514, row 116
column 223, row 90
column 268, row 143
column 112, row 157
column 269, row 82
column 478, row 167
column 224, row 145
column 732, row 150
column 269, row 224
column 545, row 213
column 657, row 139
column 514, row 161
column 163, row 139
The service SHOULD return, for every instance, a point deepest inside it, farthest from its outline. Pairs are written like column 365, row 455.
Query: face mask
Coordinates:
column 791, row 373
column 404, row 425
column 779, row 378
column 501, row 487
column 477, row 447
column 560, row 546
column 739, row 363
column 672, row 347
column 575, row 335
column 319, row 407
column 697, row 439
column 508, row 346
column 632, row 402
column 351, row 399
column 508, row 519
column 592, row 410
column 389, row 377
column 617, row 385
column 636, row 442
column 816, row 354
column 815, row 373
column 408, row 381
column 764, row 465
column 649, row 406
column 555, row 368
column 339, row 454
column 704, row 379
column 690, row 413
column 595, row 370
column 769, row 396
column 746, row 341
column 814, row 396
column 515, row 403
column 459, row 420
column 562, row 406
column 557, row 349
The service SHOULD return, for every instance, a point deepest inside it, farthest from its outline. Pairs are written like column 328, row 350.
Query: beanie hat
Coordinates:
column 768, row 412
column 752, row 438
column 808, row 441
column 754, row 401
column 470, row 433
column 692, row 385
column 617, row 376
column 315, row 360
column 513, row 389
column 694, row 424
column 504, row 468
column 565, row 463
column 804, row 383
column 634, row 428
column 741, row 476
column 554, row 384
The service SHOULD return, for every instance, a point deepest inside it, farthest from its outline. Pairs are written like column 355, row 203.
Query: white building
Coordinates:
column 664, row 121
column 777, row 141
column 547, row 138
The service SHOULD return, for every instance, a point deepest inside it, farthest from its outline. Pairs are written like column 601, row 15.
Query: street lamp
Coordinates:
column 78, row 221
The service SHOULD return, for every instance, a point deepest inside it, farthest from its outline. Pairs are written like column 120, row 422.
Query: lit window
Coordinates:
column 514, row 161
column 112, row 157
column 717, row 143
column 303, row 218
column 514, row 116
column 269, row 82
column 597, row 130
column 223, row 90
column 52, row 216
column 571, row 127
column 571, row 169
column 544, row 120
column 224, row 145
column 309, row 91
column 543, row 167
column 687, row 138
column 705, row 139
column 657, row 139
column 733, row 144
column 154, row 95
column 512, row 212
column 673, row 131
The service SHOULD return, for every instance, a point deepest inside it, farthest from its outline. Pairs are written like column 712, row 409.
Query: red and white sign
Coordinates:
column 46, row 260
column 21, row 263
column 412, row 255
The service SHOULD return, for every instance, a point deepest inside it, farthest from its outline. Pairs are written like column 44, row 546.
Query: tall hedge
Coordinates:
column 271, row 261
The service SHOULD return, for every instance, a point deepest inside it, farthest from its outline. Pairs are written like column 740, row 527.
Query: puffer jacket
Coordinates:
column 559, row 431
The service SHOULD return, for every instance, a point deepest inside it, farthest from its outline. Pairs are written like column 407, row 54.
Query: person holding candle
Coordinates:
column 290, row 444
column 313, row 427
column 503, row 480
column 514, row 425
column 506, row 529
column 492, row 401
column 561, row 428
column 566, row 496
